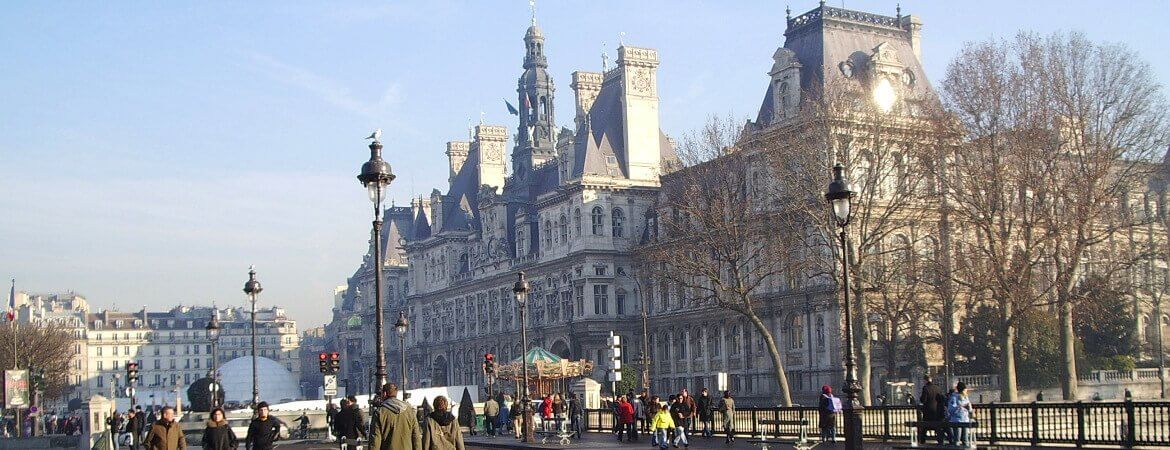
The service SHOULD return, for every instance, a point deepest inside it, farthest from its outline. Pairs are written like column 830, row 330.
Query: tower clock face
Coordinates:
column 641, row 81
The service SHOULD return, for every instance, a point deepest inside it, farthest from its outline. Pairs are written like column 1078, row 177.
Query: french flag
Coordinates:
column 11, row 314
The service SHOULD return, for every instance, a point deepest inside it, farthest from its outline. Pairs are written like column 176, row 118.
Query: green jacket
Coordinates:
column 395, row 427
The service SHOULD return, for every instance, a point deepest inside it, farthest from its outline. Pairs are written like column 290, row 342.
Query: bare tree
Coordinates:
column 995, row 186
column 882, row 148
column 39, row 346
column 716, row 239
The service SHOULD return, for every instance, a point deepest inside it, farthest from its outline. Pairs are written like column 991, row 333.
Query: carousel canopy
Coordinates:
column 543, row 364
column 539, row 354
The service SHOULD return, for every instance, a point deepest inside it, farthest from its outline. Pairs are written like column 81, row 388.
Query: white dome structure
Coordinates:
column 275, row 382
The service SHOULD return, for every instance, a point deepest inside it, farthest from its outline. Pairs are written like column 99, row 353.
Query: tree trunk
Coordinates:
column 1068, row 350
column 863, row 354
column 1007, row 371
column 774, row 353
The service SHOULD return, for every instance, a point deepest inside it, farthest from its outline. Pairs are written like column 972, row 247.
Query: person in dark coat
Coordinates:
column 263, row 431
column 829, row 407
column 706, row 413
column 218, row 435
column 934, row 408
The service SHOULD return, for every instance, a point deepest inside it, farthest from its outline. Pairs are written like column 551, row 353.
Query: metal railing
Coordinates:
column 1123, row 424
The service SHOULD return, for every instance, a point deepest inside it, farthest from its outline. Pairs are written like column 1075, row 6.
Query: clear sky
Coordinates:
column 150, row 151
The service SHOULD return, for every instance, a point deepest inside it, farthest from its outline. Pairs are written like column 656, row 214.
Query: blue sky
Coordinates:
column 151, row 151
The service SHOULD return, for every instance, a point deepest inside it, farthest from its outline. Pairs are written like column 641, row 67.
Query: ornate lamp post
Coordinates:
column 840, row 198
column 521, row 289
column 213, row 336
column 252, row 288
column 376, row 176
column 400, row 327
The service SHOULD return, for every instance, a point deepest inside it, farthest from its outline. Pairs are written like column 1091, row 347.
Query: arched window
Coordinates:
column 464, row 264
column 548, row 234
column 796, row 332
column 598, row 221
column 618, row 219
column 714, row 342
column 563, row 224
column 620, row 301
column 782, row 91
column 577, row 221
column 520, row 242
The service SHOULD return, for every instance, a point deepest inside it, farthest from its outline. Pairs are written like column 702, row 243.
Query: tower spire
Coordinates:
column 532, row 4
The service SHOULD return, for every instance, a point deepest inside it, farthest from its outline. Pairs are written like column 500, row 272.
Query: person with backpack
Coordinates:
column 828, row 407
column 959, row 411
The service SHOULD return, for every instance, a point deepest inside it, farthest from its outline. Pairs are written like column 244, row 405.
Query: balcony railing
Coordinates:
column 1117, row 424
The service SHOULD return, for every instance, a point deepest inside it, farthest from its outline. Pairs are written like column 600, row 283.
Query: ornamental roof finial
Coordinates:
column 788, row 12
column 532, row 4
column 899, row 11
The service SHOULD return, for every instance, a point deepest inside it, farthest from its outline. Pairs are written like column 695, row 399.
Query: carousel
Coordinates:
column 547, row 372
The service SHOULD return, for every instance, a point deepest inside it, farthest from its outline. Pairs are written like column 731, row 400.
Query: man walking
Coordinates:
column 263, row 431
column 491, row 412
column 934, row 404
column 394, row 425
column 706, row 413
column 166, row 434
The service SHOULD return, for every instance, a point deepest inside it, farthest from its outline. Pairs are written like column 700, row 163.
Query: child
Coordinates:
column 660, row 425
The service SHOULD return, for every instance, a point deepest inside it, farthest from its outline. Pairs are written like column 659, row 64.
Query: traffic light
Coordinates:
column 131, row 372
column 615, row 355
column 489, row 364
column 335, row 362
column 324, row 362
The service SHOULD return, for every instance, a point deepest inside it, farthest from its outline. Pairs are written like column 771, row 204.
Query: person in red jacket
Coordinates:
column 626, row 419
column 546, row 412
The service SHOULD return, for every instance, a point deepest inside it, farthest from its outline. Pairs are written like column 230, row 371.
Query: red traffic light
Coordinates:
column 335, row 355
column 489, row 356
column 323, row 356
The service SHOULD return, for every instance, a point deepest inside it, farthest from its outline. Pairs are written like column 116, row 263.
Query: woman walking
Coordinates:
column 442, row 431
column 959, row 411
column 660, row 425
column 218, row 435
column 828, row 407
column 727, row 407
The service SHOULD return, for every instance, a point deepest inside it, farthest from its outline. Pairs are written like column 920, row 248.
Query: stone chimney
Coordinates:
column 639, row 72
column 913, row 25
column 586, row 86
column 491, row 142
column 456, row 156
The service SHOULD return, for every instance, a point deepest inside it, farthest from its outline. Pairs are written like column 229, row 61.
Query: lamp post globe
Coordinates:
column 520, row 289
column 252, row 288
column 212, row 329
column 376, row 176
column 840, row 196
column 401, row 326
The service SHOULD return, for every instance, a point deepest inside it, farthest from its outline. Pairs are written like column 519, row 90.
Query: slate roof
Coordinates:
column 600, row 143
column 461, row 203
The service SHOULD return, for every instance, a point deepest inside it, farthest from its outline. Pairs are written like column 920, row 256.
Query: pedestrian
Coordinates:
column 934, row 404
column 442, row 432
column 959, row 411
column 142, row 425
column 660, row 425
column 219, row 435
column 349, row 422
column 394, row 425
column 546, row 412
column 828, row 407
column 331, row 416
column 625, row 420
column 132, row 428
column 727, row 407
column 651, row 409
column 559, row 411
column 705, row 413
column 576, row 414
column 644, row 420
column 691, row 407
column 263, row 431
column 639, row 411
column 681, row 411
column 491, row 413
column 165, row 434
column 505, row 417
column 517, row 417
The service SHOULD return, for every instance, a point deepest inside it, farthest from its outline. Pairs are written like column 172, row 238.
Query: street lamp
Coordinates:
column 521, row 289
column 400, row 327
column 839, row 197
column 213, row 336
column 375, row 176
column 252, row 288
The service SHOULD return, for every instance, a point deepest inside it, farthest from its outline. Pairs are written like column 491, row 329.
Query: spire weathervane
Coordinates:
column 481, row 114
column 622, row 39
column 532, row 4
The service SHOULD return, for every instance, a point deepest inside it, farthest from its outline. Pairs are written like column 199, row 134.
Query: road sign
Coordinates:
column 32, row 410
column 16, row 388
column 330, row 385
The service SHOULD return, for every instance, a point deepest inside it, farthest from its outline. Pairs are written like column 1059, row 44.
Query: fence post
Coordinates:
column 1130, row 427
column 885, row 423
column 1080, row 423
column 755, row 424
column 994, row 432
column 1035, row 423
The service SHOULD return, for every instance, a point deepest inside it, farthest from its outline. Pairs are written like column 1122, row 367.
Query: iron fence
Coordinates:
column 1123, row 424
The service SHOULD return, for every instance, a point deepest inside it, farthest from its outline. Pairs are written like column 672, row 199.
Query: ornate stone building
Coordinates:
column 573, row 206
